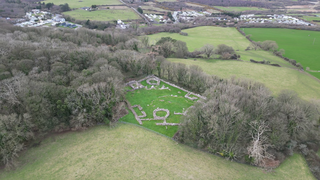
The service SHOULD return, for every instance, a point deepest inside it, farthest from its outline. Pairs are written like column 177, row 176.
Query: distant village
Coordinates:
column 177, row 16
column 37, row 18
column 187, row 16
column 281, row 19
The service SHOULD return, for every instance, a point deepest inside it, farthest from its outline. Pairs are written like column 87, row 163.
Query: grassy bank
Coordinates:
column 129, row 152
column 275, row 78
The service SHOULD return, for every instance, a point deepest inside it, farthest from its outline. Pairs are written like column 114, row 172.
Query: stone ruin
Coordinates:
column 137, row 85
column 157, row 83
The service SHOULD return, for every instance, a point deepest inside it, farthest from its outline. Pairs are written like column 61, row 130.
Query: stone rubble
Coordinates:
column 152, row 87
column 163, row 87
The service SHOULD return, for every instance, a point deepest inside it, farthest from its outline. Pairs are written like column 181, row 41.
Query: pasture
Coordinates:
column 103, row 15
column 311, row 18
column 130, row 152
column 84, row 3
column 238, row 9
column 300, row 45
column 199, row 36
column 162, row 96
column 275, row 78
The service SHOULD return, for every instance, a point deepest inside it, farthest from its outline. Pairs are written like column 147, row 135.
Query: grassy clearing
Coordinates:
column 84, row 3
column 103, row 15
column 150, row 100
column 130, row 152
column 240, row 8
column 275, row 78
column 300, row 45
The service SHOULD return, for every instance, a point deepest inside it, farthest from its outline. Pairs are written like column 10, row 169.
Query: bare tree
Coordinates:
column 208, row 50
column 269, row 45
column 259, row 144
column 255, row 45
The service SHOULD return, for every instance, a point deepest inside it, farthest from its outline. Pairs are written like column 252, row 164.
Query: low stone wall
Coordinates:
column 188, row 96
column 152, row 76
column 135, row 85
column 153, row 79
column 138, row 106
column 163, row 87
column 152, row 87
column 168, row 124
column 143, row 114
column 158, row 117
column 134, row 112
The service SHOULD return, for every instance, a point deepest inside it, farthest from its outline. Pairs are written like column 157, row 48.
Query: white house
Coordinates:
column 35, row 11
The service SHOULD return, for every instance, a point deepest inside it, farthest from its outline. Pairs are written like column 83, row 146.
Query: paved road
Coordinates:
column 137, row 12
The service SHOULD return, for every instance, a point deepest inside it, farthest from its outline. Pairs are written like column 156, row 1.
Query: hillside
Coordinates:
column 127, row 151
column 300, row 45
column 275, row 78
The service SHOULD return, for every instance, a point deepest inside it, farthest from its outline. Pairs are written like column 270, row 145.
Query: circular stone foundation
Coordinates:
column 161, row 117
column 153, row 79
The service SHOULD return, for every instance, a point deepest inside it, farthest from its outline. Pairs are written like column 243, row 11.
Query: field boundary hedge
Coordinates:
column 280, row 56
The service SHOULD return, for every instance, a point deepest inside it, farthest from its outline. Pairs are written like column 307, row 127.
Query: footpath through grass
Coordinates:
column 130, row 152
column 300, row 45
column 84, row 3
column 103, row 15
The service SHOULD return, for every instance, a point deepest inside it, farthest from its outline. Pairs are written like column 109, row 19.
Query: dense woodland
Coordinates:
column 54, row 79
column 15, row 8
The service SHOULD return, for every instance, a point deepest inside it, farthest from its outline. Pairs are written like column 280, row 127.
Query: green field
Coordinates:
column 130, row 152
column 199, row 36
column 233, row 8
column 103, row 15
column 84, row 3
column 300, row 45
column 150, row 100
column 311, row 18
column 274, row 78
